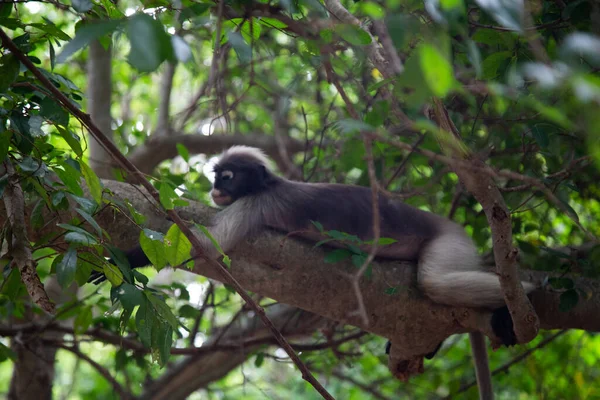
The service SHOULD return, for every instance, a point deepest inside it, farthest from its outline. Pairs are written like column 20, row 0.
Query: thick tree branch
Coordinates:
column 283, row 268
column 157, row 149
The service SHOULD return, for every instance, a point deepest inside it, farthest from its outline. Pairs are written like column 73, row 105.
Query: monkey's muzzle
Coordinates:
column 221, row 198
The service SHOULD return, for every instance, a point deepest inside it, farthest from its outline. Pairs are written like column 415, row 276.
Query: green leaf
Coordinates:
column 83, row 320
column 82, row 6
column 6, row 352
column 13, row 287
column 337, row 255
column 183, row 152
column 85, row 35
column 372, row 10
column 540, row 136
column 52, row 55
column 391, row 291
column 86, row 263
column 241, row 48
column 318, row 225
column 568, row 300
column 561, row 283
column 90, row 220
column 166, row 195
column 33, row 167
column 150, row 44
column 71, row 139
column 491, row 64
column 378, row 113
column 5, row 9
column 86, row 204
column 144, row 320
column 79, row 238
column 359, row 259
column 353, row 34
column 437, row 71
column 382, row 241
column 274, row 23
column 65, row 269
column 59, row 200
column 187, row 311
column 152, row 244
column 163, row 310
column 193, row 11
column 141, row 278
column 53, row 111
column 137, row 217
column 70, row 177
column 162, row 340
column 9, row 71
column 259, row 360
column 113, row 274
column 93, row 181
column 37, row 215
column 211, row 238
column 35, row 126
column 129, row 296
column 119, row 258
column 177, row 246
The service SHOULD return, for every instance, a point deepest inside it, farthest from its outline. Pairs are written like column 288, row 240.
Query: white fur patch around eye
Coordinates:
column 227, row 174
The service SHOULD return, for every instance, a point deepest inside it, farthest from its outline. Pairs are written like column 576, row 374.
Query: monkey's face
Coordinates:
column 223, row 188
column 236, row 180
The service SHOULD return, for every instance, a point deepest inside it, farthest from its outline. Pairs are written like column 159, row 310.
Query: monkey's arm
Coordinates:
column 230, row 226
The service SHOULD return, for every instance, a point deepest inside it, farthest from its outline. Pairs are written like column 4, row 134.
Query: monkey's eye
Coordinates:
column 226, row 175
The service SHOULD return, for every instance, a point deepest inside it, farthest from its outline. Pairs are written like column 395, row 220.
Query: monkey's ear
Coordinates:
column 263, row 172
column 263, row 176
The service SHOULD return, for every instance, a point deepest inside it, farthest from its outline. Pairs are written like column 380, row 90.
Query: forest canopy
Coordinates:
column 112, row 114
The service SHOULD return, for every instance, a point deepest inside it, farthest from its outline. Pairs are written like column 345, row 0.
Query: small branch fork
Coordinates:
column 139, row 177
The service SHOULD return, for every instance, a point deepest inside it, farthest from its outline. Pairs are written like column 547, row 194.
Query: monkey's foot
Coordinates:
column 502, row 325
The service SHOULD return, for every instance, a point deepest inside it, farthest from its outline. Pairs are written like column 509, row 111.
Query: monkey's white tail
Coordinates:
column 450, row 273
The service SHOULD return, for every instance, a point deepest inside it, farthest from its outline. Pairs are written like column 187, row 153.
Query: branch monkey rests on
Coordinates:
column 449, row 267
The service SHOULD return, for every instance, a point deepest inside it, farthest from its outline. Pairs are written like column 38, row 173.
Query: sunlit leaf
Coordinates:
column 152, row 245
column 177, row 246
column 93, row 181
column 436, row 70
